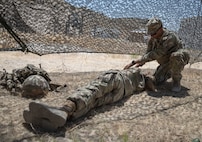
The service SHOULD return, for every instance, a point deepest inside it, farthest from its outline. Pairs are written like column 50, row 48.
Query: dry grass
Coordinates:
column 161, row 117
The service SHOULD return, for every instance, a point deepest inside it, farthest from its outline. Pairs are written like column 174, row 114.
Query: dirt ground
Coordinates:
column 163, row 116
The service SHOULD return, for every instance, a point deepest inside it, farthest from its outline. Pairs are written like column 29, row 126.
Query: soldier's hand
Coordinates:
column 129, row 65
column 139, row 63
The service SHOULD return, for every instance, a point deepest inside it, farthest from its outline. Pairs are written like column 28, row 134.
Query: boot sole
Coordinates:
column 27, row 116
column 38, row 123
column 55, row 116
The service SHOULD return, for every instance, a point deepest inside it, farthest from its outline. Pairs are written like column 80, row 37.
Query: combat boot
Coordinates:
column 46, row 117
column 39, row 123
column 176, row 86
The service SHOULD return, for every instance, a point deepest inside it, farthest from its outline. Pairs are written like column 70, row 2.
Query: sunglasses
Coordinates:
column 156, row 32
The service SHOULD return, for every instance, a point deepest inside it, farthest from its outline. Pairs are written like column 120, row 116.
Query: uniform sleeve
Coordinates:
column 168, row 43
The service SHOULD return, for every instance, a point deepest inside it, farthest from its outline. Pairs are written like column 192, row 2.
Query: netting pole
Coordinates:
column 13, row 34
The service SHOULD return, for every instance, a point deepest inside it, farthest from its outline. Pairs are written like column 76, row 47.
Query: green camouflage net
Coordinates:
column 58, row 26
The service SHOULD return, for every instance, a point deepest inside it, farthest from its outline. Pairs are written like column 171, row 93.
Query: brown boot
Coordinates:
column 176, row 86
column 149, row 84
column 69, row 107
column 46, row 117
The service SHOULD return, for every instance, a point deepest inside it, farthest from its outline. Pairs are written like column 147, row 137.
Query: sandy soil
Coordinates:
column 163, row 116
column 73, row 62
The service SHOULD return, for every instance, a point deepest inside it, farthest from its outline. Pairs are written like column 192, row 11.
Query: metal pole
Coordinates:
column 13, row 34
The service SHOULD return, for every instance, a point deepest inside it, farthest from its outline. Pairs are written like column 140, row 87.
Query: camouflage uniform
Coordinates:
column 108, row 88
column 168, row 51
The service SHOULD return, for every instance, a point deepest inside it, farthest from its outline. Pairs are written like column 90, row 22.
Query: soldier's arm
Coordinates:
column 168, row 44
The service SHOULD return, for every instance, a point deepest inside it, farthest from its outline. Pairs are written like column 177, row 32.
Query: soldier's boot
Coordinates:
column 150, row 83
column 176, row 85
column 46, row 117
column 39, row 123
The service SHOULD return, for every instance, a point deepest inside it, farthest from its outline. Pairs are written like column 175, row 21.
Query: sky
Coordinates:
column 169, row 11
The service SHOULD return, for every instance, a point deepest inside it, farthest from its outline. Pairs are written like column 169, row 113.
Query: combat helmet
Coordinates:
column 153, row 25
column 35, row 86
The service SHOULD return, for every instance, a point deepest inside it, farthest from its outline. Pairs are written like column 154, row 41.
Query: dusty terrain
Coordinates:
column 154, row 117
column 74, row 62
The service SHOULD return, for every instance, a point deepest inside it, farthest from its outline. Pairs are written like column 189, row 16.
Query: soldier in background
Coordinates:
column 165, row 47
column 109, row 87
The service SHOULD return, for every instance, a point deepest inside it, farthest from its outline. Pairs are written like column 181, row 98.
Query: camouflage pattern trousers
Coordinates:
column 109, row 87
column 173, row 68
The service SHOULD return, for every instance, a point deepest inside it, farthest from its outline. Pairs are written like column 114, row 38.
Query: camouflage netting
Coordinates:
column 56, row 26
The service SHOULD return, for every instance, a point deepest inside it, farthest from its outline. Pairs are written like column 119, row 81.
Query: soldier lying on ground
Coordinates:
column 109, row 87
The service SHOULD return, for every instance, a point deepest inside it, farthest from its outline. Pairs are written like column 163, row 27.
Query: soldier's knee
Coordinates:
column 176, row 59
column 186, row 57
column 181, row 56
column 175, row 56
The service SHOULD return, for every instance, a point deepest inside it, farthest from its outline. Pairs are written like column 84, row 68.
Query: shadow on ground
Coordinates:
column 165, row 90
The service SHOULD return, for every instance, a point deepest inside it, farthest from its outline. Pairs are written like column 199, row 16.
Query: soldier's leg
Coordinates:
column 115, row 93
column 162, row 73
column 177, row 62
column 106, row 89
